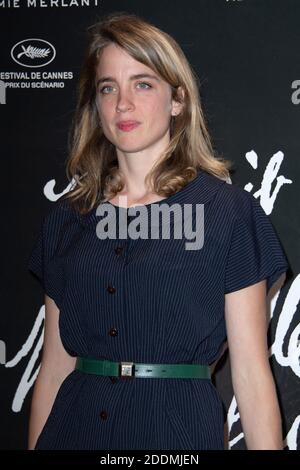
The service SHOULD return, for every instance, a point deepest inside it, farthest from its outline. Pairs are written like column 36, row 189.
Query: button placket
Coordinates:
column 113, row 332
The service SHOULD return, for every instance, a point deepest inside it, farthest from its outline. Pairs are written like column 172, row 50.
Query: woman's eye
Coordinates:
column 104, row 88
column 144, row 83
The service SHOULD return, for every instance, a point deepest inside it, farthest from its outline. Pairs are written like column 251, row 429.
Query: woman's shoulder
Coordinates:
column 234, row 198
column 60, row 214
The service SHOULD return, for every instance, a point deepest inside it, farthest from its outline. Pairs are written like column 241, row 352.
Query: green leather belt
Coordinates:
column 131, row 369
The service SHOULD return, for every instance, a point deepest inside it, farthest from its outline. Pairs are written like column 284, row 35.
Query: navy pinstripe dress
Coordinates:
column 149, row 301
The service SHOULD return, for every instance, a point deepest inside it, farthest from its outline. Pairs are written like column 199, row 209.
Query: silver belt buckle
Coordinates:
column 126, row 370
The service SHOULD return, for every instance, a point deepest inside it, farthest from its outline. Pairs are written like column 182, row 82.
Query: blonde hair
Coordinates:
column 92, row 161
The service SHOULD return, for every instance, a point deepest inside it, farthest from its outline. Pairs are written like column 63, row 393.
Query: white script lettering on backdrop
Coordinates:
column 283, row 335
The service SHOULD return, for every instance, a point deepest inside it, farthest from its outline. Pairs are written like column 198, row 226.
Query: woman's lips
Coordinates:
column 127, row 126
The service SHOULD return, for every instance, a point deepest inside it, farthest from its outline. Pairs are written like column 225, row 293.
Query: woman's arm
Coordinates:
column 56, row 365
column 253, row 384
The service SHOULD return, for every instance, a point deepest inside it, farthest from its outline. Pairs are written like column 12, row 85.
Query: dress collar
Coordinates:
column 200, row 190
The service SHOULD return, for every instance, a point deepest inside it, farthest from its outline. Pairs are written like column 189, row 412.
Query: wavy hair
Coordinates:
column 92, row 160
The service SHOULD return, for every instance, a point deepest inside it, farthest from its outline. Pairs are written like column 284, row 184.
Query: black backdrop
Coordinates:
column 246, row 54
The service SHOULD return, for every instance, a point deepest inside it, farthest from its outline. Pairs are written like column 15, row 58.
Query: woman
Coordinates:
column 132, row 325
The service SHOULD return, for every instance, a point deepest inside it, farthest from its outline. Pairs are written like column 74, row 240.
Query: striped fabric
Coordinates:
column 150, row 301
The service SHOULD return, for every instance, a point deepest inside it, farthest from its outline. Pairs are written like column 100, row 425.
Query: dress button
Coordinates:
column 113, row 332
column 113, row 379
column 118, row 250
column 111, row 289
column 103, row 415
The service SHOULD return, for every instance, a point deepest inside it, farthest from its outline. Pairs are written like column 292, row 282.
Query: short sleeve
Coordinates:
column 255, row 251
column 45, row 262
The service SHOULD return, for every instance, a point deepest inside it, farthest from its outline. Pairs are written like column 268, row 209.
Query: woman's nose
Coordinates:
column 124, row 102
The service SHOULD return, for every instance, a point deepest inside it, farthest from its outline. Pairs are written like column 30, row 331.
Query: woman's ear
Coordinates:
column 178, row 103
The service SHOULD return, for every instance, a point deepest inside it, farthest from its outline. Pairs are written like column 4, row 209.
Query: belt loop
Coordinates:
column 104, row 366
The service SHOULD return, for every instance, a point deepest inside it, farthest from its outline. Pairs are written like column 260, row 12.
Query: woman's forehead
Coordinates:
column 116, row 59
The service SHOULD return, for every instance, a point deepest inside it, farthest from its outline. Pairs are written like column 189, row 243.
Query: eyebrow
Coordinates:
column 133, row 77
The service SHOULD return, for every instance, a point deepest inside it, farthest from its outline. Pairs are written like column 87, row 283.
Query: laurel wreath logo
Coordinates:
column 34, row 52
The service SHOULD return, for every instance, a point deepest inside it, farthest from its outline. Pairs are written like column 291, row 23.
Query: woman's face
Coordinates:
column 145, row 102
